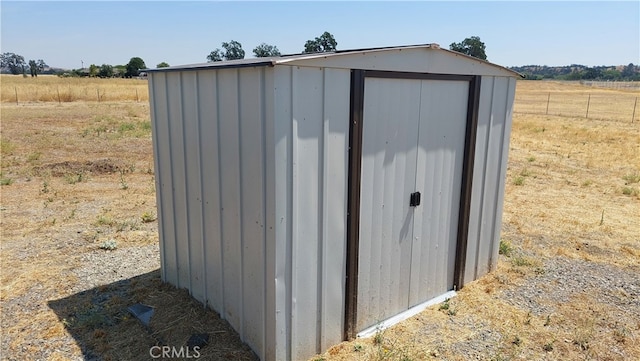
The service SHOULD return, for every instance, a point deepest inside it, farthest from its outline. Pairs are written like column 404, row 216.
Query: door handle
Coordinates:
column 414, row 201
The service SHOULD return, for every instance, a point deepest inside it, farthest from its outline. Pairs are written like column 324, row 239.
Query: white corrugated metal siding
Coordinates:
column 210, row 151
column 252, row 186
column 311, row 127
column 215, row 193
column 490, row 167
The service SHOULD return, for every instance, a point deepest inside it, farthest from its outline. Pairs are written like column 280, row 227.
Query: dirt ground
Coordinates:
column 79, row 245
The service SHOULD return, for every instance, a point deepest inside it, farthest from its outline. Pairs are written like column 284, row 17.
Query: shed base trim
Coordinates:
column 368, row 332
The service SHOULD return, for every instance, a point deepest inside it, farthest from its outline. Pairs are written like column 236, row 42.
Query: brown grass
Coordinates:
column 68, row 164
column 51, row 88
column 573, row 100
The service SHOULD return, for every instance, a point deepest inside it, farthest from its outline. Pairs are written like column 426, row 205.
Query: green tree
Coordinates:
column 134, row 66
column 33, row 68
column 14, row 62
column 628, row 71
column 93, row 70
column 471, row 46
column 163, row 65
column 106, row 71
column 324, row 43
column 215, row 55
column 233, row 50
column 265, row 50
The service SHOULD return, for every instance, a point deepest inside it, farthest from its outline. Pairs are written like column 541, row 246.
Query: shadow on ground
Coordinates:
column 104, row 329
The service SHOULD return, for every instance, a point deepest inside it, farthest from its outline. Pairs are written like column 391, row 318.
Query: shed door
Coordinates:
column 413, row 139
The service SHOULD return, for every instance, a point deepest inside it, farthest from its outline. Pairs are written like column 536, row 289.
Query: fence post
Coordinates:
column 548, row 98
column 588, row 103
column 633, row 117
column 16, row 90
column 137, row 98
column 98, row 91
column 58, row 89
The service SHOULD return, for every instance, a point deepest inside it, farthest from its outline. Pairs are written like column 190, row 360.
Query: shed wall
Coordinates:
column 490, row 166
column 311, row 146
column 211, row 190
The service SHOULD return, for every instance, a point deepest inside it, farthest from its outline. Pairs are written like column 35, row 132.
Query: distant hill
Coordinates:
column 580, row 72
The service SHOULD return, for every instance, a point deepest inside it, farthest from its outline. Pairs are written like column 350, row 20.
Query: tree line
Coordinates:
column 628, row 72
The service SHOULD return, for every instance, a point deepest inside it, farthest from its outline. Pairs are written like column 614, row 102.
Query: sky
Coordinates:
column 76, row 33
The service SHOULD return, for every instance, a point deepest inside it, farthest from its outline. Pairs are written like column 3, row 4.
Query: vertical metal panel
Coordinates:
column 476, row 217
column 494, row 125
column 178, row 161
column 160, row 139
column 307, row 157
column 252, row 204
column 193, row 167
column 492, row 181
column 209, row 152
column 334, row 205
column 272, row 312
column 229, row 127
column 390, row 138
column 443, row 121
column 283, row 194
column 506, row 134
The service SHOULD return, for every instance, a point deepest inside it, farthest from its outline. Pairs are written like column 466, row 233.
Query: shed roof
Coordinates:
column 299, row 59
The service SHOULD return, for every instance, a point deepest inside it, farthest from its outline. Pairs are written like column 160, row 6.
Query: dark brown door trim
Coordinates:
column 354, row 182
column 473, row 103
column 353, row 202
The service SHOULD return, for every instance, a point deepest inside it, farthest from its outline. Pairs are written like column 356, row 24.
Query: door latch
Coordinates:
column 414, row 201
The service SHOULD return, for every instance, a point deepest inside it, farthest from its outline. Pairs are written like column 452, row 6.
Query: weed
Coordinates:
column 72, row 215
column 34, row 156
column 516, row 341
column 319, row 359
column 92, row 318
column 74, row 178
column 522, row 261
column 104, row 220
column 45, row 187
column 548, row 347
column 6, row 147
column 126, row 127
column 518, row 181
column 620, row 334
column 505, row 248
column 131, row 225
column 547, row 322
column 123, row 182
column 587, row 183
column 629, row 191
column 378, row 338
column 531, row 159
column 357, row 347
column 109, row 245
column 631, row 178
column 148, row 217
column 525, row 172
column 446, row 306
column 6, row 181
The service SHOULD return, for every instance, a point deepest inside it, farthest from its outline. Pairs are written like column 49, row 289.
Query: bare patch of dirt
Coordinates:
column 99, row 166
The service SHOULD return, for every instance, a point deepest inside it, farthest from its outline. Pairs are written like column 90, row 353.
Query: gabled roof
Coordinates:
column 294, row 59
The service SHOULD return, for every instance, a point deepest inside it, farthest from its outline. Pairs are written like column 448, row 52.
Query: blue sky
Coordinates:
column 65, row 34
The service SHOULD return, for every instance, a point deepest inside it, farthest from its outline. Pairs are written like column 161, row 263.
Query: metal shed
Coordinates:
column 309, row 198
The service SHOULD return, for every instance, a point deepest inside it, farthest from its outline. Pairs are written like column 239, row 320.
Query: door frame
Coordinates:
column 356, row 104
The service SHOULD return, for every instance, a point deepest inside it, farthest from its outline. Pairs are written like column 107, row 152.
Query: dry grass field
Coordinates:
column 79, row 240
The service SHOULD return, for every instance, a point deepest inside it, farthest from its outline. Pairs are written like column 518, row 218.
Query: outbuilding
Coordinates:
column 311, row 198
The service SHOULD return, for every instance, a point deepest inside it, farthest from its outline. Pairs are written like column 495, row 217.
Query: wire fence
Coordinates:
column 603, row 106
